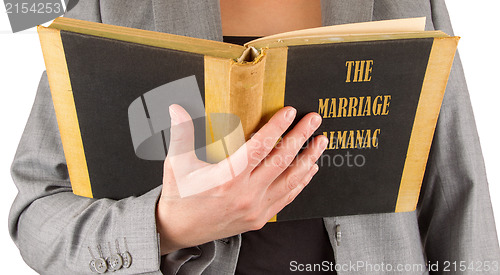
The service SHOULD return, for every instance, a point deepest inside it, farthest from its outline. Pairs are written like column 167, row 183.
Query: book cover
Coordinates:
column 379, row 96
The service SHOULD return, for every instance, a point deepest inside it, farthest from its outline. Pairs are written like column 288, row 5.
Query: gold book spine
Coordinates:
column 246, row 88
column 233, row 88
column 254, row 91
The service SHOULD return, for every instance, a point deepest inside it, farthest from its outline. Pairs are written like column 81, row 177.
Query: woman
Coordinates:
column 59, row 233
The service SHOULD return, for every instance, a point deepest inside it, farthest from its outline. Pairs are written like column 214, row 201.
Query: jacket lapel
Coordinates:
column 336, row 12
column 188, row 17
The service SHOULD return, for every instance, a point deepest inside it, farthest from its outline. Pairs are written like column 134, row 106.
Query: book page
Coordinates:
column 342, row 38
column 386, row 26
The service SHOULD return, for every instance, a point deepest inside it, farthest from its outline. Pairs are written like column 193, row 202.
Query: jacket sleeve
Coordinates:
column 455, row 214
column 58, row 232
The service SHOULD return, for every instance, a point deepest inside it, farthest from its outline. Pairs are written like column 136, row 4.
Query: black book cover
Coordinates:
column 379, row 99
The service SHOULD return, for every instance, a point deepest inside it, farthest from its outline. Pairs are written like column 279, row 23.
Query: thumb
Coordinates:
column 181, row 133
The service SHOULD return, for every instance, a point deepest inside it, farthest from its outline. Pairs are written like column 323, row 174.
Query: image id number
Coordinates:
column 474, row 266
column 34, row 8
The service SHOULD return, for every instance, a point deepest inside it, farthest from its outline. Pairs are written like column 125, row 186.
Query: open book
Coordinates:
column 377, row 85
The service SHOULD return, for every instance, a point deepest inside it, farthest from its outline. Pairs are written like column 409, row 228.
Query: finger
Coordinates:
column 279, row 204
column 294, row 175
column 248, row 156
column 181, row 134
column 284, row 153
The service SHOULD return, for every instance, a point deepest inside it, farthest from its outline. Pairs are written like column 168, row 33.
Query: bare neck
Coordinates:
column 266, row 17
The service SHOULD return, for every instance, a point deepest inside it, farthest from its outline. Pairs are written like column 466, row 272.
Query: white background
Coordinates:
column 21, row 64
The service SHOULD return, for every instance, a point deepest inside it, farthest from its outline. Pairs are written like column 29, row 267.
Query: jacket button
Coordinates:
column 100, row 265
column 127, row 259
column 92, row 266
column 115, row 262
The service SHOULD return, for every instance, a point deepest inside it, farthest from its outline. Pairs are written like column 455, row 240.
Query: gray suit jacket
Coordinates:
column 57, row 231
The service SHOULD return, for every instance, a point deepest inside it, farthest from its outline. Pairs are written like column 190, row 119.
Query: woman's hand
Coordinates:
column 251, row 186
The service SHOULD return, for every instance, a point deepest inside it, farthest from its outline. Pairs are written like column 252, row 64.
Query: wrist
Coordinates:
column 173, row 228
column 167, row 241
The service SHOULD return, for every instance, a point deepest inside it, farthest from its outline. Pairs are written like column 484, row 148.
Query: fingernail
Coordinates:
column 323, row 142
column 290, row 114
column 315, row 121
column 173, row 115
column 315, row 168
column 313, row 171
